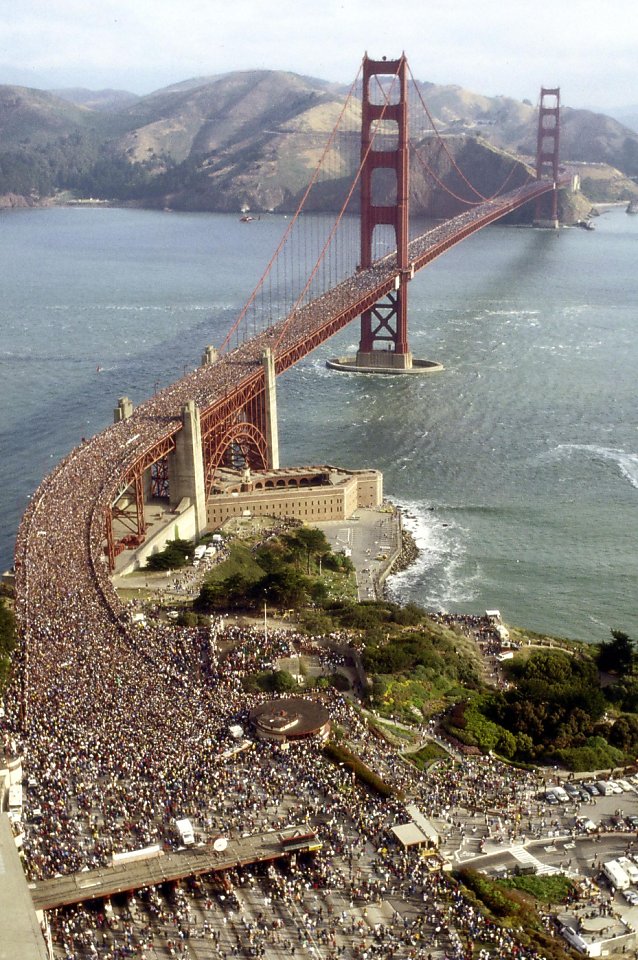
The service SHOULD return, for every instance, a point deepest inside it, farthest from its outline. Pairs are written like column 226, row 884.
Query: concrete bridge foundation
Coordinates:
column 186, row 466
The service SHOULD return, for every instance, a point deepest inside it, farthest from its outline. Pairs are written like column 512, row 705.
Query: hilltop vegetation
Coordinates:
column 7, row 642
column 557, row 710
column 254, row 138
column 564, row 703
column 293, row 570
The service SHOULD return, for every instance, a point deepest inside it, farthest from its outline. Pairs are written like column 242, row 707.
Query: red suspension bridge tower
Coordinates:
column 384, row 146
column 385, row 203
column 547, row 155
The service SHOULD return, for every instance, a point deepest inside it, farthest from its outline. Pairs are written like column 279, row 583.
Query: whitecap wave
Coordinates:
column 437, row 579
column 626, row 462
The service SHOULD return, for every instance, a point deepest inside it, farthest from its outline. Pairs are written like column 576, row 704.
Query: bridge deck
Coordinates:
column 98, row 695
column 137, row 874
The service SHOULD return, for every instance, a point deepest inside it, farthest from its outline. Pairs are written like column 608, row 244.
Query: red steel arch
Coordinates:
column 251, row 442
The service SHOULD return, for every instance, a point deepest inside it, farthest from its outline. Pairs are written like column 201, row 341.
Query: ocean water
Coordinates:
column 517, row 466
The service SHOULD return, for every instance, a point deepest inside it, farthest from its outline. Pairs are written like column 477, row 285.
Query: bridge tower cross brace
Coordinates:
column 548, row 151
column 386, row 323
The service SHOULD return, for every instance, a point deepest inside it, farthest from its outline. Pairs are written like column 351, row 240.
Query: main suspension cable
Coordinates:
column 288, row 231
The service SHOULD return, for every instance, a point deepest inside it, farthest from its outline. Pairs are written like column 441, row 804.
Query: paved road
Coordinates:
column 373, row 537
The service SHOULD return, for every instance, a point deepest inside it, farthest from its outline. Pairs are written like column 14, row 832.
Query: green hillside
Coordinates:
column 253, row 138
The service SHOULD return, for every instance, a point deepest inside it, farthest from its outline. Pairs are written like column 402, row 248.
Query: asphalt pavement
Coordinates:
column 373, row 539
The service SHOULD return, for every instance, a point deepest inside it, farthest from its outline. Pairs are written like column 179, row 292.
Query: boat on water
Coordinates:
column 246, row 218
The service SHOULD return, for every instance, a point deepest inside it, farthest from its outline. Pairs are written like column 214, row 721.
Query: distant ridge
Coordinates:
column 96, row 99
column 244, row 139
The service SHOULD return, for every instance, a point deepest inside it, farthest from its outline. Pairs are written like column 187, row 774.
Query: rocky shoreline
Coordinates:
column 408, row 555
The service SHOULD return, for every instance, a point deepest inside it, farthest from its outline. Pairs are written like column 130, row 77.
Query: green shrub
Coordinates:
column 427, row 755
column 341, row 755
column 7, row 642
column 177, row 553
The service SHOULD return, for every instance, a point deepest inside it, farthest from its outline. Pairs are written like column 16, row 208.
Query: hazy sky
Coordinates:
column 493, row 47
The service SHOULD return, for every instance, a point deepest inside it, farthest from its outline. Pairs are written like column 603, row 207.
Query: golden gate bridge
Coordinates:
column 173, row 444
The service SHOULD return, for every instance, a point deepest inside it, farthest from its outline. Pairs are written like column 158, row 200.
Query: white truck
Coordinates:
column 630, row 868
column 186, row 832
column 616, row 875
column 15, row 799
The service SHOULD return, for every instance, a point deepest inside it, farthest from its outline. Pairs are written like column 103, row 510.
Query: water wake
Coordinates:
column 627, row 463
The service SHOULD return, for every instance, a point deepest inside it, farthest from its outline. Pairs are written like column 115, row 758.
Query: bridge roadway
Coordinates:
column 137, row 874
column 103, row 702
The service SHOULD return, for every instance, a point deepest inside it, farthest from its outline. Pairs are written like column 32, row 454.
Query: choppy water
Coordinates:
column 518, row 464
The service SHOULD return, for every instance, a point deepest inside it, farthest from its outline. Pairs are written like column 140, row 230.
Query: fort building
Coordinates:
column 311, row 494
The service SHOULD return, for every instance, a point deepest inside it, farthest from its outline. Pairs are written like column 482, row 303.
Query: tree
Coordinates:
column 524, row 746
column 309, row 540
column 284, row 588
column 282, row 682
column 507, row 744
column 177, row 553
column 548, row 665
column 624, row 733
column 7, row 642
column 187, row 618
column 616, row 655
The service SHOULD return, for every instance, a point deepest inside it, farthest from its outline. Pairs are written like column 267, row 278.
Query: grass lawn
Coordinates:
column 240, row 563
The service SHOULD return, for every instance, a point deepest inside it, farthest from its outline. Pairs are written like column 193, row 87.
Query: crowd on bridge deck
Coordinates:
column 121, row 727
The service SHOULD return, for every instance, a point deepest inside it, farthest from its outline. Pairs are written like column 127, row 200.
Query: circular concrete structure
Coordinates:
column 350, row 365
column 290, row 718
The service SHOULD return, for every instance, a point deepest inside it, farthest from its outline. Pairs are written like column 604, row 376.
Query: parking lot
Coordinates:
column 372, row 538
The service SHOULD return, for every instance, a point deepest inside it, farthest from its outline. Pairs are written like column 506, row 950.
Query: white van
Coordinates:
column 630, row 868
column 15, row 799
column 616, row 875
column 604, row 788
column 186, row 832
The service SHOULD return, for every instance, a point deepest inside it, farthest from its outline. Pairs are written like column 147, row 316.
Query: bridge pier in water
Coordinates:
column 383, row 346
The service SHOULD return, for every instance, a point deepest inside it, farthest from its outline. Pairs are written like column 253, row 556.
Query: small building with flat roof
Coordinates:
column 409, row 835
column 290, row 718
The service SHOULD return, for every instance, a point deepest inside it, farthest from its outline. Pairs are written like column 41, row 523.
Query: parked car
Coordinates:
column 591, row 789
column 604, row 788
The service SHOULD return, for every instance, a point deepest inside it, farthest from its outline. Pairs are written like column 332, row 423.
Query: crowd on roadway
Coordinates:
column 121, row 725
column 123, row 740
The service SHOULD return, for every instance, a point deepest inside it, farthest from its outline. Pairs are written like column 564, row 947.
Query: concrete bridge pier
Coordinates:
column 186, row 467
column 209, row 356
column 270, row 401
column 123, row 411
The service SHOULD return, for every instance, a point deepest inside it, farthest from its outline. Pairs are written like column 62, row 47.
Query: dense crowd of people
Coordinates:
column 115, row 771
column 122, row 726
